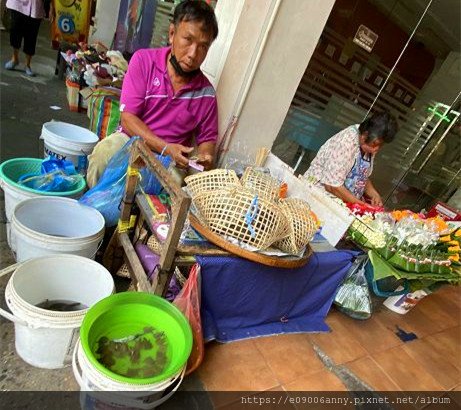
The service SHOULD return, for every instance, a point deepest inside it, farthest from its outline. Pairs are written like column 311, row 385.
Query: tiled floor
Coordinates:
column 370, row 349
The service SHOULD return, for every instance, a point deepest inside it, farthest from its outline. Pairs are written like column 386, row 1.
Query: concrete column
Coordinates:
column 105, row 22
column 271, row 47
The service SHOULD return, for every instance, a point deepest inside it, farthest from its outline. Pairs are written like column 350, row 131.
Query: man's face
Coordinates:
column 189, row 44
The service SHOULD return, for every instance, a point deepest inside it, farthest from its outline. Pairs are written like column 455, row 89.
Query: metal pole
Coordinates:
column 398, row 59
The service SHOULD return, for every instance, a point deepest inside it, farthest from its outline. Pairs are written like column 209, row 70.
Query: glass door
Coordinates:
column 433, row 163
column 402, row 56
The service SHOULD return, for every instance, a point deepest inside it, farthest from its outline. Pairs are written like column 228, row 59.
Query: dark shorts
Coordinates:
column 24, row 27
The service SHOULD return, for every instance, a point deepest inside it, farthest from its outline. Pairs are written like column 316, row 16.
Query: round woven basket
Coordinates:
column 210, row 181
column 302, row 223
column 262, row 184
column 240, row 214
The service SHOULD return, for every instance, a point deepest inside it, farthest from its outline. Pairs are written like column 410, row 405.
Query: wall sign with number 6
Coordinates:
column 66, row 24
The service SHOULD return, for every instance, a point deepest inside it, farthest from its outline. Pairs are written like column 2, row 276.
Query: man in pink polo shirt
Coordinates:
column 166, row 99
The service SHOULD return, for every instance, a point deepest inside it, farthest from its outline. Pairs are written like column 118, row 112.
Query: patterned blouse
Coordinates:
column 336, row 158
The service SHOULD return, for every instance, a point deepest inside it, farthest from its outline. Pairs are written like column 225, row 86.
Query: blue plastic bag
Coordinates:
column 107, row 194
column 56, row 176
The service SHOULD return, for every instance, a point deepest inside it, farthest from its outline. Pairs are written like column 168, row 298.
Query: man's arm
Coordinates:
column 206, row 152
column 133, row 125
column 373, row 194
column 343, row 193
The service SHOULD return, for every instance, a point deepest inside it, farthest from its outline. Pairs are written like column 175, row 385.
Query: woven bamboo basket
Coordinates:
column 211, row 180
column 302, row 222
column 262, row 184
column 240, row 214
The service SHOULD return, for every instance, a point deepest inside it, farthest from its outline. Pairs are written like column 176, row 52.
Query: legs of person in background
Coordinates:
column 29, row 71
column 23, row 27
column 11, row 64
column 30, row 41
column 15, row 38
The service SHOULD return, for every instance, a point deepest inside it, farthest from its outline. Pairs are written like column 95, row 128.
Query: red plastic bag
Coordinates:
column 188, row 302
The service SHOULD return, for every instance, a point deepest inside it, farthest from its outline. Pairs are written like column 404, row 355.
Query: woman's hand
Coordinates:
column 179, row 154
column 373, row 194
column 375, row 199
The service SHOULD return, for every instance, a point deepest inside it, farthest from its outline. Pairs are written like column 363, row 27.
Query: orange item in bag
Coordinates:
column 283, row 190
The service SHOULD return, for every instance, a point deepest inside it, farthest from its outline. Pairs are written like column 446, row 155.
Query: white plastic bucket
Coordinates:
column 50, row 225
column 68, row 141
column 13, row 196
column 129, row 396
column 45, row 338
column 402, row 304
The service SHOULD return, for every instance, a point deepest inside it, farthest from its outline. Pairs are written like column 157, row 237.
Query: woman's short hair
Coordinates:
column 379, row 125
column 199, row 11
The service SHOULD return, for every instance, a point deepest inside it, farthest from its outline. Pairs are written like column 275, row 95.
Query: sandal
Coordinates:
column 10, row 65
column 29, row 72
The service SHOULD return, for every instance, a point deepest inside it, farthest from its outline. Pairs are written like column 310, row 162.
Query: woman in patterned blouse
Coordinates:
column 344, row 163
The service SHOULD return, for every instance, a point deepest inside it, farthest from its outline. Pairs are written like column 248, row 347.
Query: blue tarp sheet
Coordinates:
column 243, row 299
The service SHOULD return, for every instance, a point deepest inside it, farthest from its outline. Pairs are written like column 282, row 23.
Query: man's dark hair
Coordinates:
column 379, row 125
column 199, row 11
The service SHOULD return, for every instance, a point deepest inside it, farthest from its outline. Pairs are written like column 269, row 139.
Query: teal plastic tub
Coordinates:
column 13, row 169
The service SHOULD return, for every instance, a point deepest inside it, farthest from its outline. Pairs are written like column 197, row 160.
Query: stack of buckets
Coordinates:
column 62, row 141
column 55, row 239
column 115, row 318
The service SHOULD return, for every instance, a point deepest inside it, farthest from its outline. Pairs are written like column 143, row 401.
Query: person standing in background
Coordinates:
column 26, row 16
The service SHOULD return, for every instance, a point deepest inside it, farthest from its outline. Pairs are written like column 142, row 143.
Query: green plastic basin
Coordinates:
column 13, row 169
column 126, row 314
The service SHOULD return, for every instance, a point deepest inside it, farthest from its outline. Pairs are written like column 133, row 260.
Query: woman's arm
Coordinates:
column 373, row 194
column 343, row 193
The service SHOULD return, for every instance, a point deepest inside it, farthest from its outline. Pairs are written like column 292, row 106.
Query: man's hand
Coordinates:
column 179, row 153
column 205, row 154
column 206, row 160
